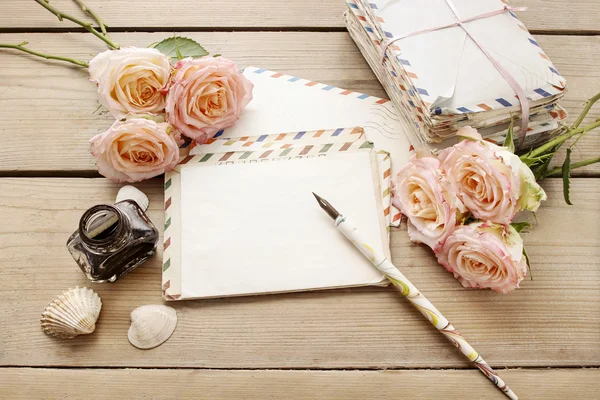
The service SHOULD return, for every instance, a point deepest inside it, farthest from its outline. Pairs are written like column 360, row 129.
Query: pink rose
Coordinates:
column 135, row 149
column 427, row 200
column 207, row 94
column 130, row 80
column 486, row 185
column 485, row 255
column 493, row 183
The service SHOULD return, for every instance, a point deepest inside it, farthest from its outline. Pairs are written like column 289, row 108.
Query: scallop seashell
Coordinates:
column 151, row 326
column 132, row 193
column 71, row 314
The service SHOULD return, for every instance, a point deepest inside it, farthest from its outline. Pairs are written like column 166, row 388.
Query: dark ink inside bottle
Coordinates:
column 112, row 240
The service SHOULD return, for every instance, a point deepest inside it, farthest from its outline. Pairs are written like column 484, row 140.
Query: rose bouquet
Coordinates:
column 158, row 95
column 461, row 202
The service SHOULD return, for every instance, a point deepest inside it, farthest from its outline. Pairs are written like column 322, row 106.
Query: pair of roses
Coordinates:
column 472, row 179
column 156, row 102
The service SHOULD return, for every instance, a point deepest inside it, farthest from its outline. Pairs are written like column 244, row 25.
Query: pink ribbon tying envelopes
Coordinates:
column 519, row 91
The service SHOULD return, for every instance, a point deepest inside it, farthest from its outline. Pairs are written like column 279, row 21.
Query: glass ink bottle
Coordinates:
column 114, row 240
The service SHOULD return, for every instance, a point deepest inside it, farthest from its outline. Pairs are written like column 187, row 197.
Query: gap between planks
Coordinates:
column 296, row 385
column 241, row 29
column 300, row 369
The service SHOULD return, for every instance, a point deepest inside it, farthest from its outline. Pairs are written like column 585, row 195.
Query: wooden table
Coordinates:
column 360, row 343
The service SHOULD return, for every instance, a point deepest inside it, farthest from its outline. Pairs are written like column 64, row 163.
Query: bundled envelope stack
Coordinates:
column 452, row 63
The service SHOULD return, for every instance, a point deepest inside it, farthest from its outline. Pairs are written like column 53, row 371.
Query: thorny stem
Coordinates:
column 92, row 14
column 43, row 55
column 558, row 170
column 86, row 25
column 586, row 109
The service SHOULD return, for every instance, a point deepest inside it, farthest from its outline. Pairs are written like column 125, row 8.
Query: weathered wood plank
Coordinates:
column 549, row 15
column 47, row 109
column 26, row 383
column 551, row 321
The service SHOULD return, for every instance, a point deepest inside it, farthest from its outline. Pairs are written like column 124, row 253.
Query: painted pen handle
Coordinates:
column 418, row 300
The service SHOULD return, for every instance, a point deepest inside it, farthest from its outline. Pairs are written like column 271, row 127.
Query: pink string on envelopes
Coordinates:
column 519, row 91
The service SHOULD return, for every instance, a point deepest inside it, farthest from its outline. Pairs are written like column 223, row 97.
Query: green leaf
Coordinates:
column 519, row 226
column 566, row 173
column 178, row 47
column 528, row 263
column 509, row 141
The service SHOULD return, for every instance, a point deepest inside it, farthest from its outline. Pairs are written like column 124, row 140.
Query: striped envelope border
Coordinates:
column 171, row 271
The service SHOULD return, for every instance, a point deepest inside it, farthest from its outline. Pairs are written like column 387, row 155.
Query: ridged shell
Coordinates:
column 132, row 193
column 71, row 314
column 151, row 326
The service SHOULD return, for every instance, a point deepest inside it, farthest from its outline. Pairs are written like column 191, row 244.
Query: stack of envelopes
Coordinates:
column 242, row 220
column 440, row 78
column 240, row 217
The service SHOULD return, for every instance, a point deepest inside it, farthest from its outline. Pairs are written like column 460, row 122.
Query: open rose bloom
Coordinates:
column 492, row 182
column 135, row 149
column 131, row 80
column 485, row 255
column 206, row 95
column 474, row 177
column 428, row 201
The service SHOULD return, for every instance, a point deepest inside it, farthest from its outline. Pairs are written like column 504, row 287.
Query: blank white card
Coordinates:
column 255, row 227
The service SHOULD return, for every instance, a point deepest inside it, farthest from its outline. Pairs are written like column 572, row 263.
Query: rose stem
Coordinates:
column 43, row 55
column 561, row 139
column 586, row 109
column 86, row 25
column 558, row 170
column 92, row 14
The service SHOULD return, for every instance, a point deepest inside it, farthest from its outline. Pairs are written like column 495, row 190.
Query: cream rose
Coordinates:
column 485, row 255
column 427, row 200
column 531, row 193
column 493, row 183
column 487, row 186
column 207, row 94
column 135, row 149
column 131, row 80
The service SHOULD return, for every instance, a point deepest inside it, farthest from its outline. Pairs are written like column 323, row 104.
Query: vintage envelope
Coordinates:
column 259, row 199
column 285, row 103
column 468, row 82
column 420, row 125
column 308, row 140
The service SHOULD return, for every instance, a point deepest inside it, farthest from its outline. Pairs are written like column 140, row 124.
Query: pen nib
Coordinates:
column 328, row 208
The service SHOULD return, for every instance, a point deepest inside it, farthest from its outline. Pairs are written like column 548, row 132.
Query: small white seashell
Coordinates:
column 132, row 193
column 151, row 326
column 71, row 314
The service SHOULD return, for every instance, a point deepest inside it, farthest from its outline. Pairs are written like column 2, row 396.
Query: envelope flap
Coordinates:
column 449, row 70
